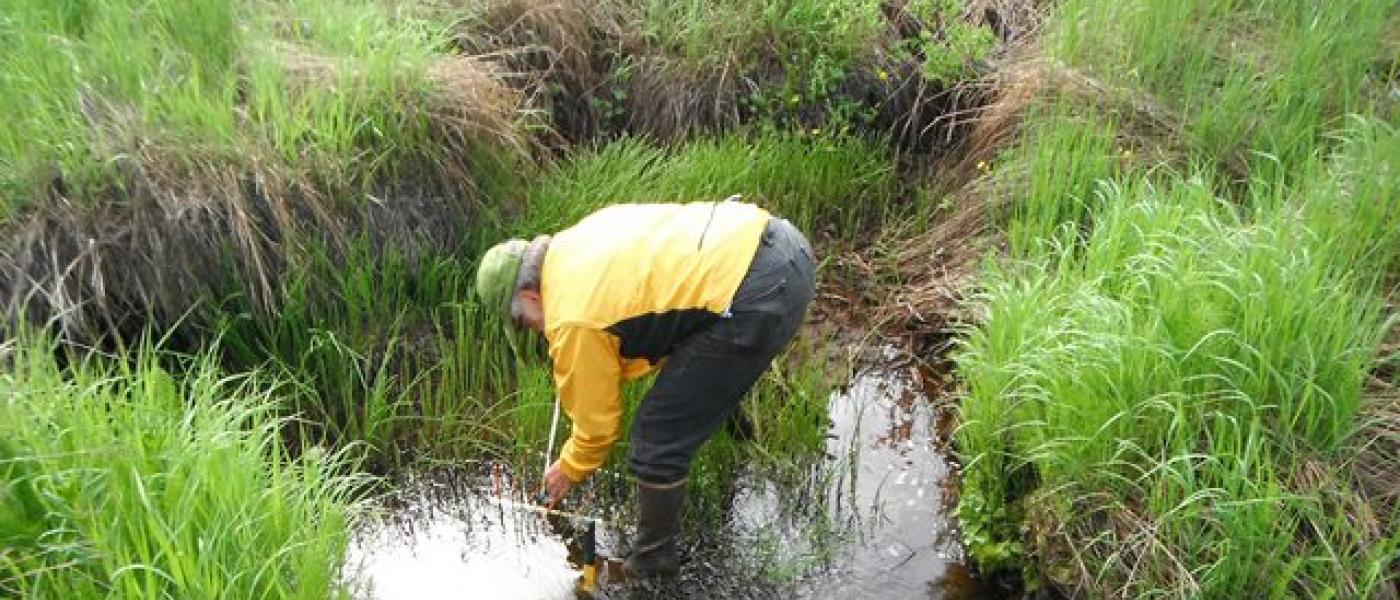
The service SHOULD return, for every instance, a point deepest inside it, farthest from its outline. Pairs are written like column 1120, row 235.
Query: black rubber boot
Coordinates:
column 656, row 548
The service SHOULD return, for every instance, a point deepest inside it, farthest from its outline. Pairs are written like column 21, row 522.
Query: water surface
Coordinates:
column 874, row 520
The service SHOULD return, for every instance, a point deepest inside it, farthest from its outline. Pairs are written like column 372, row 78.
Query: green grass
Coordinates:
column 710, row 34
column 386, row 352
column 837, row 65
column 1072, row 155
column 191, row 150
column 1189, row 368
column 834, row 185
column 802, row 52
column 1262, row 78
column 308, row 88
column 1163, row 396
column 129, row 480
column 819, row 42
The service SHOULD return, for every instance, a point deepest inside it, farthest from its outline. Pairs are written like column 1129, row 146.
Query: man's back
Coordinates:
column 649, row 274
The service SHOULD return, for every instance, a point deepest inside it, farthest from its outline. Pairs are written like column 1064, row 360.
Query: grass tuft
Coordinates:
column 127, row 479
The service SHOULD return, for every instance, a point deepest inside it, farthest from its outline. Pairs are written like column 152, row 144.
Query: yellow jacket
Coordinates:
column 621, row 289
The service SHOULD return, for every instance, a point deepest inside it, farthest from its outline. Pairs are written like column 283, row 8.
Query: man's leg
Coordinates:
column 704, row 382
column 705, row 379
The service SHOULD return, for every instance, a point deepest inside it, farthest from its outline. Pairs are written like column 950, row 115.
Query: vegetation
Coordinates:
column 1168, row 392
column 839, row 186
column 156, row 144
column 128, row 479
column 1166, row 234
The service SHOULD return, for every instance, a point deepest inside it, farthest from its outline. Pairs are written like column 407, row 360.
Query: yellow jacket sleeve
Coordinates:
column 587, row 373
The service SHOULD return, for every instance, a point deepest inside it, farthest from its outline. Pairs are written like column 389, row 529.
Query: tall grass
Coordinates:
column 124, row 479
column 1262, row 78
column 165, row 154
column 1163, row 395
column 1188, row 369
column 1073, row 153
column 383, row 351
column 835, row 185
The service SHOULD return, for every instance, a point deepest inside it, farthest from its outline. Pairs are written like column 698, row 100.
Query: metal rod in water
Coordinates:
column 544, row 510
column 553, row 429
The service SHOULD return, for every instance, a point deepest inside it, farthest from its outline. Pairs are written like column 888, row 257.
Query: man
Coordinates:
column 715, row 288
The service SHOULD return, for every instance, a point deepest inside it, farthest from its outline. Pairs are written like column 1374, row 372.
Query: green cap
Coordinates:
column 496, row 277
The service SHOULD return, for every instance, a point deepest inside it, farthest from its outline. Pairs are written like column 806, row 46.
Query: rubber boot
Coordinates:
column 656, row 548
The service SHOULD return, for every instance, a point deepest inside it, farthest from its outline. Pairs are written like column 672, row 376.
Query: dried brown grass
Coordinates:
column 589, row 66
column 668, row 101
column 1014, row 21
column 1095, row 544
column 1377, row 465
column 1101, row 536
column 558, row 53
column 939, row 265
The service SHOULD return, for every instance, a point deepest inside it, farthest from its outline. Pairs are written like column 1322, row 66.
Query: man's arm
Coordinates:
column 587, row 372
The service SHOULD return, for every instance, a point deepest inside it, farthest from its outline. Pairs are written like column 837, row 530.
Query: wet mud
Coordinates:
column 873, row 519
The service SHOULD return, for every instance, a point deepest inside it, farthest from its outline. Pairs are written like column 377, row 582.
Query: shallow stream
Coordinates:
column 876, row 523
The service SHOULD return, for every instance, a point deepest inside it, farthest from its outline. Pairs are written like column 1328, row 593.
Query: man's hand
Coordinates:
column 556, row 485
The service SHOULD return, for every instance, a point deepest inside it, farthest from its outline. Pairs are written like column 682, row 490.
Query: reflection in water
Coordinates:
column 904, row 538
column 441, row 543
column 874, row 522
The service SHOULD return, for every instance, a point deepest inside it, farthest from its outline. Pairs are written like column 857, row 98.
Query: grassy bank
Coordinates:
column 172, row 154
column 166, row 154
column 1170, row 392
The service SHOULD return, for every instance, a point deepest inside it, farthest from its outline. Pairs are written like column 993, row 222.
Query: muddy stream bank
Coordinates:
column 876, row 522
